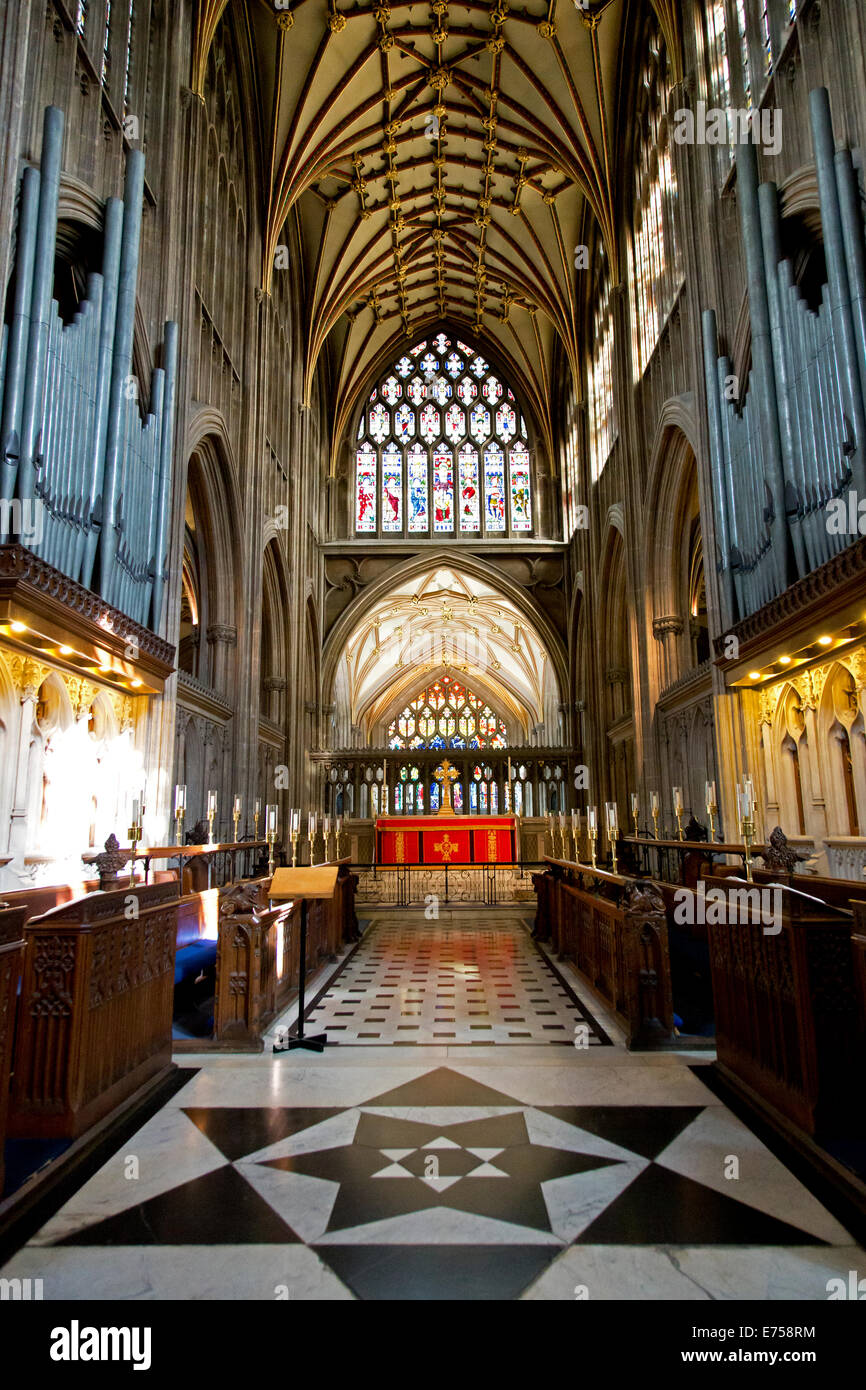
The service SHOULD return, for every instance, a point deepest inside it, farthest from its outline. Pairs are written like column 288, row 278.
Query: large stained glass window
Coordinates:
column 447, row 715
column 442, row 448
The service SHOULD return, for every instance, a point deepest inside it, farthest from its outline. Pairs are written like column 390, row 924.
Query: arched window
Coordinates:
column 447, row 715
column 442, row 449
column 602, row 428
column 656, row 270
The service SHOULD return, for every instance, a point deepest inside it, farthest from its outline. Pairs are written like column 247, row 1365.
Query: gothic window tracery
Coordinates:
column 447, row 715
column 442, row 448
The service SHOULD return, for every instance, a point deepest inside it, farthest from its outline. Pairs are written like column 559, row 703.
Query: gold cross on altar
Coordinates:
column 446, row 847
column 445, row 774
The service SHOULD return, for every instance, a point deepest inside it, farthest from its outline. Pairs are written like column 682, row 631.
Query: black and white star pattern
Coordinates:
column 443, row 1187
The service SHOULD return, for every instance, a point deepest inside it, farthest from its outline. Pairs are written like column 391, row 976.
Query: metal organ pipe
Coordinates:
column 71, row 431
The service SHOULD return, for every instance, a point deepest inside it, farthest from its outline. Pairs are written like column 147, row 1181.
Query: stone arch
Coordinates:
column 675, row 566
column 417, row 567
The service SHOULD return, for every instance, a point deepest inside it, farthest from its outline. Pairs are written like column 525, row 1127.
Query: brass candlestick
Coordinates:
column 236, row 815
column 178, row 827
column 655, row 815
column 748, row 832
column 613, row 852
column 295, row 837
column 134, row 833
column 678, row 812
column 712, row 812
column 312, row 839
column 272, row 840
column 211, row 817
column 636, row 831
column 593, row 837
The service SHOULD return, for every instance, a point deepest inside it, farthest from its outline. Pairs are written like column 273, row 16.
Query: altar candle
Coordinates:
column 296, row 821
column 612, row 818
column 635, row 805
column 311, row 824
column 258, row 806
column 654, row 802
column 678, row 798
column 327, row 827
column 749, row 790
column 136, row 811
column 211, row 803
column 179, row 799
column 711, row 795
column 238, row 805
column 339, row 825
column 575, row 823
column 272, row 814
column 591, row 817
column 562, row 820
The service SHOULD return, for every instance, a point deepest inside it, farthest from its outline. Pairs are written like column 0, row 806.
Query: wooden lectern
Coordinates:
column 304, row 884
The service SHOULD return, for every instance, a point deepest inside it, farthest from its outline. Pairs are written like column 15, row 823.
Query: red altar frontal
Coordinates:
column 446, row 840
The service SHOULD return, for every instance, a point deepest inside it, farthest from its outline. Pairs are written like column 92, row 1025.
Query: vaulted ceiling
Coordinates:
column 440, row 160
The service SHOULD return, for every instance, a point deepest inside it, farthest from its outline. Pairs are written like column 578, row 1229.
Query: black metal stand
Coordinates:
column 317, row 1042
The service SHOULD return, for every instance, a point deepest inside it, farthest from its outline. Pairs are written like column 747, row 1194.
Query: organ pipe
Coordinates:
column 797, row 439
column 72, row 436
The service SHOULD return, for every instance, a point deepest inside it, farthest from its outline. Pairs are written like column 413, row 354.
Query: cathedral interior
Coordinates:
column 433, row 650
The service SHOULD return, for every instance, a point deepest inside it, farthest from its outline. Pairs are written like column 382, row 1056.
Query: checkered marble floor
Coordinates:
column 418, row 982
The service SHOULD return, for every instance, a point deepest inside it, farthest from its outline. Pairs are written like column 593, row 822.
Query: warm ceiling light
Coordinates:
column 135, row 684
column 825, row 641
column 754, row 675
column 784, row 661
column 105, row 670
column 65, row 651
column 18, row 627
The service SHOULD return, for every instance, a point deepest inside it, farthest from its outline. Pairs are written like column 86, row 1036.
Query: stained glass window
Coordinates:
column 392, row 488
column 447, row 715
column 365, row 514
column 442, row 448
column 470, row 506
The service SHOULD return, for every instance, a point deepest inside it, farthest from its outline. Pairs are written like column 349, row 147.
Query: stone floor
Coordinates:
column 446, row 1170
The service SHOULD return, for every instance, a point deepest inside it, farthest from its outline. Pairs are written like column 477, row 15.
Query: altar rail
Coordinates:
column 789, row 1023
column 94, row 1019
column 405, row 885
column 614, row 930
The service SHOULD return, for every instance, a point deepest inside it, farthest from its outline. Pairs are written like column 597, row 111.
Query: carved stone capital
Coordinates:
column 27, row 675
column 221, row 632
column 663, row 627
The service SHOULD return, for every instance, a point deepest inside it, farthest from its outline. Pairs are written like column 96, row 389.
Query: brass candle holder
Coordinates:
column 613, row 852
column 678, row 812
column 295, row 836
column 256, row 819
column 311, row 836
column 712, row 812
column 272, row 840
column 236, row 816
column 211, row 817
column 747, row 827
column 593, row 839
column 134, row 834
column 655, row 815
column 178, row 827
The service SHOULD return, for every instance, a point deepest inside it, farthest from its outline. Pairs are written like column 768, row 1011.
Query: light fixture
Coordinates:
column 135, row 684
column 18, row 627
column 784, row 661
column 825, row 641
column 754, row 675
column 65, row 651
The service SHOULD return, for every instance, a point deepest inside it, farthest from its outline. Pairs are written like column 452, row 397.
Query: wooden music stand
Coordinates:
column 306, row 884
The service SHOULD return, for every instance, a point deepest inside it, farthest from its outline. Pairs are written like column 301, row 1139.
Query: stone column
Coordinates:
column 666, row 631
column 221, row 639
